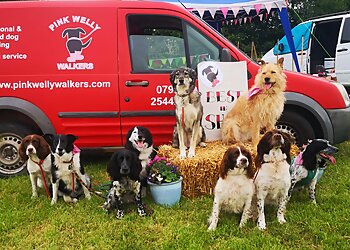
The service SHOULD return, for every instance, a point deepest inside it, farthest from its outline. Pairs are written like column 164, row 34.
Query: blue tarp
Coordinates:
column 303, row 29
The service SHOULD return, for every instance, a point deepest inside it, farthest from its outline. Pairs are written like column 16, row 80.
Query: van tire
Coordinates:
column 296, row 126
column 11, row 136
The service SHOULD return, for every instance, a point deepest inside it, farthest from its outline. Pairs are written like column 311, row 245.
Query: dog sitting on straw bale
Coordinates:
column 259, row 109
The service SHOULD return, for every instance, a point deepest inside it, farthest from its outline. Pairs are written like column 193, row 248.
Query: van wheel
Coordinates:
column 296, row 126
column 11, row 136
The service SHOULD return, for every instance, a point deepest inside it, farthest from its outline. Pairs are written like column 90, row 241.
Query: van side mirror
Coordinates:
column 281, row 47
column 225, row 55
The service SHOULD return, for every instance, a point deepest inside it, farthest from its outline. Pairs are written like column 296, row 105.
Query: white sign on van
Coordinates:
column 77, row 39
column 220, row 83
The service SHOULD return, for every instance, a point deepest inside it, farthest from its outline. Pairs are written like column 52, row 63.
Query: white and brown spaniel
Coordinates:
column 36, row 151
column 234, row 189
column 272, row 179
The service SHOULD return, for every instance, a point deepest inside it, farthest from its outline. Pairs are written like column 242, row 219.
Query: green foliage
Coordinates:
column 35, row 224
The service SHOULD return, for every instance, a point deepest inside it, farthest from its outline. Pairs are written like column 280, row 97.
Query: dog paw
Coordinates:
column 261, row 225
column 34, row 196
column 74, row 200
column 120, row 214
column 88, row 196
column 281, row 219
column 212, row 227
column 53, row 202
column 141, row 212
column 202, row 144
column 191, row 154
column 183, row 154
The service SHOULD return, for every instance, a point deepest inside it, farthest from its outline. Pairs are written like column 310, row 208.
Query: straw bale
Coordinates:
column 201, row 172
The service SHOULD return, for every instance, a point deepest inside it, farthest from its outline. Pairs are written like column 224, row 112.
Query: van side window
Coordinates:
column 200, row 48
column 163, row 43
column 345, row 37
column 156, row 43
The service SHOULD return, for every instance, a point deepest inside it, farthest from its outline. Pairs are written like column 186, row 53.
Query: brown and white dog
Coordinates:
column 234, row 189
column 272, row 180
column 188, row 131
column 259, row 109
column 36, row 151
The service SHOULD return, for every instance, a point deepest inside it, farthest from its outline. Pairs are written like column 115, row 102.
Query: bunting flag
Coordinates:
column 235, row 11
column 224, row 11
column 257, row 7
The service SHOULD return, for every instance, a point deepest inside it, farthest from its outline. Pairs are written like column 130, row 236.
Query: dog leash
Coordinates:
column 43, row 176
column 84, row 184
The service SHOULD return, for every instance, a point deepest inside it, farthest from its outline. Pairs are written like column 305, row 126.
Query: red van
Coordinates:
column 97, row 68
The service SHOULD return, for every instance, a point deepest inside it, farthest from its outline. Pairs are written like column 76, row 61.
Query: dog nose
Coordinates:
column 267, row 79
column 181, row 81
column 139, row 137
column 244, row 161
column 30, row 150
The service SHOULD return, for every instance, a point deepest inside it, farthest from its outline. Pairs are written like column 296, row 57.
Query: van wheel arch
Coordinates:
column 300, row 124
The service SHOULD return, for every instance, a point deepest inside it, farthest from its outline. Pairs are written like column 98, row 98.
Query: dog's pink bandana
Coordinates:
column 76, row 149
column 253, row 92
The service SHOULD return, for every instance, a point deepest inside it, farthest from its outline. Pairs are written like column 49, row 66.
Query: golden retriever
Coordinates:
column 259, row 109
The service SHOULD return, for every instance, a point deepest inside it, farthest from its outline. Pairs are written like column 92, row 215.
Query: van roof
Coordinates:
column 328, row 16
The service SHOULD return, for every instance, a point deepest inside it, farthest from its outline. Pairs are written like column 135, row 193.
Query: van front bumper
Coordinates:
column 340, row 119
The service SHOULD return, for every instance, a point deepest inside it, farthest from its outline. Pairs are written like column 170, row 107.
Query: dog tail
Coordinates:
column 87, row 43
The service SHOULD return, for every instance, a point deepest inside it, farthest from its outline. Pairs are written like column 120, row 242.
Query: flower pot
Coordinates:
column 167, row 194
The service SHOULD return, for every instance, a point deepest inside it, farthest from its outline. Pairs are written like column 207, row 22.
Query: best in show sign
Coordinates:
column 220, row 84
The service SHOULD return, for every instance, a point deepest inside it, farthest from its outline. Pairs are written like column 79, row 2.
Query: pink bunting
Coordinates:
column 224, row 11
column 235, row 11
column 257, row 8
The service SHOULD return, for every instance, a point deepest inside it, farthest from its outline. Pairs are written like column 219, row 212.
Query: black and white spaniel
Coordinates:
column 234, row 189
column 308, row 166
column 124, row 168
column 272, row 180
column 36, row 151
column 65, row 167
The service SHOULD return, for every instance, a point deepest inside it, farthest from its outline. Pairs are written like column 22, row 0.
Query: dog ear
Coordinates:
column 250, row 160
column 261, row 62
column 49, row 138
column 172, row 79
column 22, row 149
column 287, row 145
column 44, row 150
column 226, row 161
column 71, row 138
column 65, row 32
column 80, row 30
column 280, row 62
column 193, row 75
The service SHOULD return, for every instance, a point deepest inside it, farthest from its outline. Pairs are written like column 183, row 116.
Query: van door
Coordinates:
column 151, row 45
column 342, row 68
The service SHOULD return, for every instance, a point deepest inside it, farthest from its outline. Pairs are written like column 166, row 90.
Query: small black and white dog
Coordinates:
column 65, row 164
column 309, row 165
column 124, row 168
column 140, row 141
column 188, row 132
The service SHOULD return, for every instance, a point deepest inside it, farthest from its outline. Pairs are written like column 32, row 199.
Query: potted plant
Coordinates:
column 165, row 181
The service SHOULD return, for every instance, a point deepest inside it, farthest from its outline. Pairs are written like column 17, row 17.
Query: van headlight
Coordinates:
column 343, row 92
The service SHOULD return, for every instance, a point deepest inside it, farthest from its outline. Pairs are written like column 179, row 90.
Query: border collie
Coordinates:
column 65, row 164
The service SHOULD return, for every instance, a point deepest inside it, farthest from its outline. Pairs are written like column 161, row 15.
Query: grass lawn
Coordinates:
column 29, row 224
